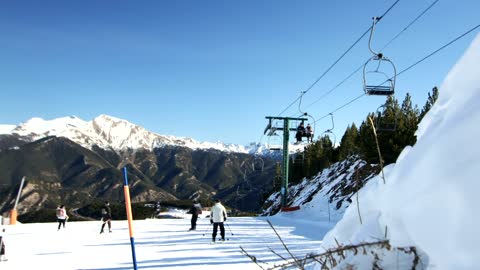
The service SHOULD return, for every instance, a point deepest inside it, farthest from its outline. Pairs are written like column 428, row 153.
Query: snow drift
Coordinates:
column 429, row 199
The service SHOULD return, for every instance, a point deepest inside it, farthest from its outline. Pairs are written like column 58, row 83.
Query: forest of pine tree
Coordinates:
column 395, row 126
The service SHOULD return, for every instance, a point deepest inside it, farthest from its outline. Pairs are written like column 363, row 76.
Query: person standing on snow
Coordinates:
column 106, row 217
column 158, row 209
column 217, row 216
column 2, row 245
column 62, row 216
column 195, row 210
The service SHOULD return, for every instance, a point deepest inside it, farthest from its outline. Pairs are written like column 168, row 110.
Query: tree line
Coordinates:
column 395, row 126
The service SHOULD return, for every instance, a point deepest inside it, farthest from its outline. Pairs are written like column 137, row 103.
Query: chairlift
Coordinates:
column 309, row 131
column 306, row 131
column 328, row 134
column 274, row 142
column 383, row 118
column 257, row 164
column 298, row 158
column 374, row 79
column 328, row 139
column 245, row 167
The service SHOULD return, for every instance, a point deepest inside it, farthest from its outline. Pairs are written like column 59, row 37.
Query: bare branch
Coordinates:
column 253, row 258
column 285, row 246
column 281, row 257
column 378, row 148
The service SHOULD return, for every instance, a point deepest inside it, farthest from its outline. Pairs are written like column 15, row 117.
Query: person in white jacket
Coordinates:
column 217, row 216
column 62, row 216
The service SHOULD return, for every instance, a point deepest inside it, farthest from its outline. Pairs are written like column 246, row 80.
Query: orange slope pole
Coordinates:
column 128, row 207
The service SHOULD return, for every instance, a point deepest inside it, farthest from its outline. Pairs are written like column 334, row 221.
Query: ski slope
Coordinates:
column 159, row 244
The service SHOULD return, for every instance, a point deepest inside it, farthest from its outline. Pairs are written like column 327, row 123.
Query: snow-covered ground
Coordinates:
column 429, row 198
column 159, row 244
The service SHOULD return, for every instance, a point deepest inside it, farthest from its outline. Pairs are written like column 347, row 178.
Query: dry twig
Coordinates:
column 253, row 258
column 285, row 246
column 378, row 148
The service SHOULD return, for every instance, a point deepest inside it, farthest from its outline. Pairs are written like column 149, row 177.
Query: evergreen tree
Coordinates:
column 278, row 179
column 349, row 143
column 296, row 170
column 395, row 126
column 429, row 103
column 366, row 141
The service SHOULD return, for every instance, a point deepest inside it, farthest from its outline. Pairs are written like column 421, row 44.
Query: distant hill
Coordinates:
column 73, row 162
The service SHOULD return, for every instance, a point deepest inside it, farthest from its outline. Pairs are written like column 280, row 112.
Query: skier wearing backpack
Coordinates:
column 106, row 217
column 62, row 216
column 217, row 217
column 195, row 210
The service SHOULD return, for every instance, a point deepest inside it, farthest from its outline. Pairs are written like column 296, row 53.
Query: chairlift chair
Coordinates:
column 372, row 78
column 274, row 142
column 305, row 135
column 331, row 138
column 257, row 164
column 329, row 133
column 298, row 158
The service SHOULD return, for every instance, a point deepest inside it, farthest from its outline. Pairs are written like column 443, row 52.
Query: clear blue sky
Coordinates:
column 212, row 70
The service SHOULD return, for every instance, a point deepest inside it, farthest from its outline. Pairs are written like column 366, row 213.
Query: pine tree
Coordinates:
column 395, row 126
column 349, row 143
column 278, row 178
column 429, row 103
column 366, row 142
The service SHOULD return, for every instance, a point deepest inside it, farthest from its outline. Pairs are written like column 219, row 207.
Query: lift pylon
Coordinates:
column 270, row 130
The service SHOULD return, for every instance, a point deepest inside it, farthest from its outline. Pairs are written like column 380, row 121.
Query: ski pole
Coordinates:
column 228, row 226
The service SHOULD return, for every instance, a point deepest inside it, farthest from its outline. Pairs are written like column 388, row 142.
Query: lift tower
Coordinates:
column 271, row 130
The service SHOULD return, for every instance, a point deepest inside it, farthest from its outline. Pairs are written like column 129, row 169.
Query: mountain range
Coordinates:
column 72, row 161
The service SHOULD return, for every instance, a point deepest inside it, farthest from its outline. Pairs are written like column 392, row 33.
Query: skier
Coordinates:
column 217, row 216
column 62, row 216
column 195, row 210
column 158, row 209
column 2, row 245
column 106, row 217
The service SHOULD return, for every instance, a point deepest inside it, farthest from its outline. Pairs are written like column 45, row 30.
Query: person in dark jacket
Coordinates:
column 300, row 132
column 106, row 217
column 195, row 210
column 2, row 246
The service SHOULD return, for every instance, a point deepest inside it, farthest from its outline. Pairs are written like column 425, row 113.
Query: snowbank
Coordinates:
column 429, row 199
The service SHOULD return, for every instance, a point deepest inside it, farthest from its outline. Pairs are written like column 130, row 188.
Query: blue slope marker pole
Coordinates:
column 128, row 206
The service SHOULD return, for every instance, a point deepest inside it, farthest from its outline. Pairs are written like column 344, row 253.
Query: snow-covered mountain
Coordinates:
column 109, row 132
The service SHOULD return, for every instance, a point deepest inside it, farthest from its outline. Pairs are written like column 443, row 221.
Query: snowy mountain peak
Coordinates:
column 36, row 127
column 120, row 134
column 109, row 132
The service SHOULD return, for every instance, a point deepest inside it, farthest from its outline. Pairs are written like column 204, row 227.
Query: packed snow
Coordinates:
column 159, row 244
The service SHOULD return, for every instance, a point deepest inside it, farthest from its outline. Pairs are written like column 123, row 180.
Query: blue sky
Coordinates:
column 212, row 70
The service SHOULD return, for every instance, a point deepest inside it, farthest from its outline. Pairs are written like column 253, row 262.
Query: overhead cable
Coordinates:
column 385, row 46
column 406, row 69
column 338, row 60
